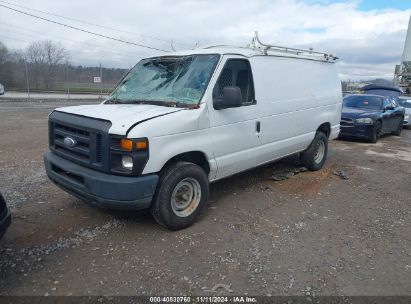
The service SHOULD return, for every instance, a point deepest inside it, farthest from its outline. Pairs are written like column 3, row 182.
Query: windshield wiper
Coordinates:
column 111, row 101
column 173, row 104
column 119, row 101
column 148, row 101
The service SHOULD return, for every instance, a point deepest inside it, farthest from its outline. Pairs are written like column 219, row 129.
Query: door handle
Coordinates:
column 258, row 126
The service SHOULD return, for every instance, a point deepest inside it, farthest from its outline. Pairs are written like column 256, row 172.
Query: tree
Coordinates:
column 6, row 69
column 44, row 58
column 3, row 53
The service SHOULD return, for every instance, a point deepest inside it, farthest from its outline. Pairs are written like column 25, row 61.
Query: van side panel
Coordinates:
column 294, row 97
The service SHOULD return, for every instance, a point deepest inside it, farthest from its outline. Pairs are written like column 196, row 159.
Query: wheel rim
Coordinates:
column 186, row 197
column 319, row 154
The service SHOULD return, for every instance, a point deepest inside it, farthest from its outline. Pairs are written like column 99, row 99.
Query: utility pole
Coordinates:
column 67, row 82
column 101, row 82
column 27, row 80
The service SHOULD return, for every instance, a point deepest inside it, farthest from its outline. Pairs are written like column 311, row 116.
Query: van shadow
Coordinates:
column 139, row 217
column 219, row 189
column 251, row 177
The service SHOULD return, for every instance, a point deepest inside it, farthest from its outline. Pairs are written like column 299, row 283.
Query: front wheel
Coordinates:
column 181, row 195
column 376, row 132
column 314, row 157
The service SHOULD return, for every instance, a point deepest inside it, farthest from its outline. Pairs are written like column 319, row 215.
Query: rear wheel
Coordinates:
column 181, row 195
column 314, row 157
column 376, row 133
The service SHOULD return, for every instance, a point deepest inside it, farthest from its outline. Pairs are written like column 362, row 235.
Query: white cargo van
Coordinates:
column 177, row 122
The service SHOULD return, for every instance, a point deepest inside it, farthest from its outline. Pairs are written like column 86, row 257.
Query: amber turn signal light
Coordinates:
column 141, row 145
column 126, row 144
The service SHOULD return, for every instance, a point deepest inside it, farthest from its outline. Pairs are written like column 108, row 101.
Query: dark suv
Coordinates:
column 5, row 218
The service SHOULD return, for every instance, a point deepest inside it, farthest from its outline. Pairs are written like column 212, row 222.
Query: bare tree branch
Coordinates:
column 44, row 58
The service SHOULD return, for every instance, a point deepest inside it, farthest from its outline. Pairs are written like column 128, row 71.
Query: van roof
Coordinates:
column 259, row 48
column 253, row 51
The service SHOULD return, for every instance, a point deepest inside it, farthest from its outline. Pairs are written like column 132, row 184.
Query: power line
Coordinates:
column 71, row 63
column 93, row 24
column 83, row 30
column 119, row 56
column 122, row 58
column 61, row 38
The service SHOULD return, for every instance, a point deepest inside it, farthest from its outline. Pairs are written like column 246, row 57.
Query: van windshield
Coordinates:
column 169, row 81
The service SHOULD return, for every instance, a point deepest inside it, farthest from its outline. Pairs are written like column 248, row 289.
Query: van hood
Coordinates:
column 121, row 116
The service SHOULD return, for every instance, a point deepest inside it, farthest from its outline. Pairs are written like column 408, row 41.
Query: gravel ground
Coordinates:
column 344, row 230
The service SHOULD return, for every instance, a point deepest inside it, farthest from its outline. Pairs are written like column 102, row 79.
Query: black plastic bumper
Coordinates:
column 359, row 131
column 101, row 189
column 5, row 220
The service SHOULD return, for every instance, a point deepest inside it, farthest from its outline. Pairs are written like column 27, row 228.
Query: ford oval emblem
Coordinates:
column 70, row 142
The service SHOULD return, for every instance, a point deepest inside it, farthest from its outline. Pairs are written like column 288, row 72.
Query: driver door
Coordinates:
column 388, row 116
column 235, row 131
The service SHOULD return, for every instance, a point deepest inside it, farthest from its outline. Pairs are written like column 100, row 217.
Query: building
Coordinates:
column 403, row 71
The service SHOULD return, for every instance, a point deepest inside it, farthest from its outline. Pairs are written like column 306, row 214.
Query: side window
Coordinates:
column 387, row 102
column 236, row 72
column 394, row 103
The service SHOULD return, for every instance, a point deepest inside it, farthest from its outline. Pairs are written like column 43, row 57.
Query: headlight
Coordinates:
column 128, row 156
column 127, row 162
column 364, row 120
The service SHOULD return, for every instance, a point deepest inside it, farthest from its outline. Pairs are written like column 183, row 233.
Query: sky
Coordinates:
column 368, row 36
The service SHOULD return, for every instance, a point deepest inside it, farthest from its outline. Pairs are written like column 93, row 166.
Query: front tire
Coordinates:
column 181, row 195
column 314, row 157
column 376, row 133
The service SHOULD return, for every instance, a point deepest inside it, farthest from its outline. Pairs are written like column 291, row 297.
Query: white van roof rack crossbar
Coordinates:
column 267, row 47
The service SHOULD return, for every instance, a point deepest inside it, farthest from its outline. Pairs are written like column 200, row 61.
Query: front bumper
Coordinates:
column 5, row 221
column 101, row 189
column 360, row 131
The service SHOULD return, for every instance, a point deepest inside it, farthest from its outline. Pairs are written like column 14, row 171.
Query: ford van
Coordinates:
column 180, row 121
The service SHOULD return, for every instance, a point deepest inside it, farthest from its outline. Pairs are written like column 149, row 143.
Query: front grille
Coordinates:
column 346, row 122
column 90, row 135
column 81, row 150
column 99, row 152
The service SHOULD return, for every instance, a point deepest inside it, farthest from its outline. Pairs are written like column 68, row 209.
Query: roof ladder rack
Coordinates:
column 267, row 47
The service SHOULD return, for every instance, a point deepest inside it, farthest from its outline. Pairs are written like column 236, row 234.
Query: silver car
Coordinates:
column 1, row 89
column 406, row 103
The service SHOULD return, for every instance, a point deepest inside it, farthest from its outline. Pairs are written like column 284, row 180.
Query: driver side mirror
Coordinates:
column 232, row 98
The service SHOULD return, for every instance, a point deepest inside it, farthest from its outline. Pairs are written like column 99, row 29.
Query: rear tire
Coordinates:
column 181, row 195
column 314, row 157
column 376, row 133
